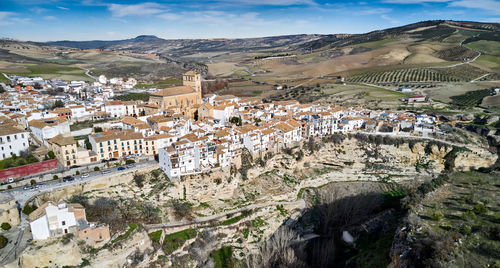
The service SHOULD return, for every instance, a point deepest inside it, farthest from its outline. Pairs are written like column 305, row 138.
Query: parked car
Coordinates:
column 75, row 166
column 28, row 187
column 121, row 168
column 106, row 171
column 85, row 175
column 130, row 165
column 113, row 159
column 68, row 178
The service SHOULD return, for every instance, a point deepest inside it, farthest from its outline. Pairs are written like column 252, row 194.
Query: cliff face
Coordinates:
column 51, row 253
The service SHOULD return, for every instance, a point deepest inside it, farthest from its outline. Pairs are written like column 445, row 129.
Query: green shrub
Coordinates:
column 77, row 173
column 465, row 229
column 85, row 262
column 155, row 236
column 129, row 161
column 468, row 215
column 480, row 208
column 6, row 226
column 32, row 182
column 55, row 177
column 437, row 216
column 28, row 209
column 175, row 240
column 3, row 241
column 96, row 169
column 223, row 257
column 51, row 155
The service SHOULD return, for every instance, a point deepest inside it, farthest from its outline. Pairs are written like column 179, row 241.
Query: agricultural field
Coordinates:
column 247, row 89
column 48, row 71
column 470, row 99
column 461, row 73
column 403, row 76
column 161, row 84
column 338, row 94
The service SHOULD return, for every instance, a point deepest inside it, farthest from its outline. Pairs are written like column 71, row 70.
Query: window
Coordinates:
column 22, row 136
column 15, row 137
column 63, row 223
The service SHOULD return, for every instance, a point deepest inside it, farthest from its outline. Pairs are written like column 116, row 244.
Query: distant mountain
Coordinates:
column 181, row 47
column 95, row 44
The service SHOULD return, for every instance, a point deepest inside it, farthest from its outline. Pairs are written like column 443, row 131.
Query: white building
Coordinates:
column 44, row 129
column 12, row 141
column 180, row 159
column 52, row 220
column 102, row 79
column 223, row 112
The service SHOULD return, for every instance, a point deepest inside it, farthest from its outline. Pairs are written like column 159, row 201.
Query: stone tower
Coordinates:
column 192, row 79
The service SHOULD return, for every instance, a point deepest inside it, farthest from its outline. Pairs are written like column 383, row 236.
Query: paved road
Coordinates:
column 301, row 203
column 22, row 196
column 87, row 72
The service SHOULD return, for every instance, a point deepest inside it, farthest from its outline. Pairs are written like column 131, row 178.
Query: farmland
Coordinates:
column 470, row 99
column 462, row 73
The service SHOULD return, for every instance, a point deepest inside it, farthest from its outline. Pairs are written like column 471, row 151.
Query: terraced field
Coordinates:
column 462, row 73
column 404, row 75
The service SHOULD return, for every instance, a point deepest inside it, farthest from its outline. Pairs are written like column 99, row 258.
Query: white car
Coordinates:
column 85, row 175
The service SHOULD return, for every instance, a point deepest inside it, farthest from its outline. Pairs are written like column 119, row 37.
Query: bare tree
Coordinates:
column 277, row 251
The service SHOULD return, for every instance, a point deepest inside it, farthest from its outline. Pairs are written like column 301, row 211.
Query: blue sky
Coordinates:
column 114, row 19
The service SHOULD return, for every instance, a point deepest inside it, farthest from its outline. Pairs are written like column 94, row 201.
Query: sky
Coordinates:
column 50, row 20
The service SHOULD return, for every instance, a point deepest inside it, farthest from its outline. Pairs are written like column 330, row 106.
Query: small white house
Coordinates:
column 52, row 220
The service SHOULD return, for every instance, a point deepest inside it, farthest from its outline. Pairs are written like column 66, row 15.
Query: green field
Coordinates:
column 376, row 44
column 161, row 84
column 133, row 97
column 470, row 99
column 48, row 71
column 488, row 61
column 487, row 47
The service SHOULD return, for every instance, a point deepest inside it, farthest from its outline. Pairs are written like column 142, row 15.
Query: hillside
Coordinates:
column 309, row 58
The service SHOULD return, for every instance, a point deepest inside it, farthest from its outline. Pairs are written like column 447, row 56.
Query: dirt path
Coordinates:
column 201, row 220
column 479, row 78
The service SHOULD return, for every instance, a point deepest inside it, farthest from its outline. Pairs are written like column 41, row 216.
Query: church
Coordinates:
column 182, row 97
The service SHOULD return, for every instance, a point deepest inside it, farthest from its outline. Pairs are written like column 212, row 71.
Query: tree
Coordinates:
column 51, row 155
column 97, row 129
column 96, row 168
column 139, row 180
column 6, row 226
column 58, row 104
column 32, row 182
column 149, row 212
column 181, row 209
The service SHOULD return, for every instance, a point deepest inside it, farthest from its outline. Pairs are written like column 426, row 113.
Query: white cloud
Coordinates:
column 391, row 20
column 170, row 16
column 9, row 18
column 63, row 8
column 372, row 11
column 4, row 17
column 488, row 5
column 272, row 2
column 148, row 8
column 38, row 10
column 414, row 1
